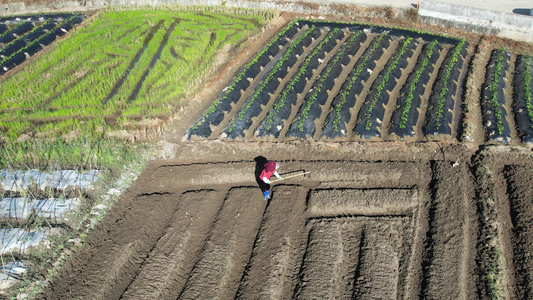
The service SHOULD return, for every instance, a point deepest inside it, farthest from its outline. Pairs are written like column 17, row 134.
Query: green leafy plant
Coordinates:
column 443, row 93
column 493, row 87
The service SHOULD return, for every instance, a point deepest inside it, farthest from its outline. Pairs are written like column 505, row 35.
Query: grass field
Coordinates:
column 117, row 69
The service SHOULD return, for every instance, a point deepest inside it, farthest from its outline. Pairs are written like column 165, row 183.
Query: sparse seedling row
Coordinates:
column 407, row 106
column 340, row 106
column 269, row 77
column 444, row 91
column 290, row 86
column 493, row 98
column 383, row 83
column 493, row 86
column 325, row 76
column 527, row 88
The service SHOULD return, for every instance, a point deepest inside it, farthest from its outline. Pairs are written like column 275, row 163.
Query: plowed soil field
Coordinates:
column 446, row 219
column 368, row 221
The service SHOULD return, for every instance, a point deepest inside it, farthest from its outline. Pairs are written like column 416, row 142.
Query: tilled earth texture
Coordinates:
column 374, row 217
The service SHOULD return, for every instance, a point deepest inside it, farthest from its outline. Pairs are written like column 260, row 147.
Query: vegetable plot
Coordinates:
column 23, row 37
column 493, row 98
column 320, row 86
column 522, row 105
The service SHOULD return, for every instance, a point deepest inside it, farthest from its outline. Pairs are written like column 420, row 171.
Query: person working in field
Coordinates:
column 264, row 169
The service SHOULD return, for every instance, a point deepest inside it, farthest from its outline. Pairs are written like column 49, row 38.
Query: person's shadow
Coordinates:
column 523, row 11
column 260, row 162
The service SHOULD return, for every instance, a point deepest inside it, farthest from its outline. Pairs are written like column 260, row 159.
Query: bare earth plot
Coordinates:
column 389, row 228
column 447, row 218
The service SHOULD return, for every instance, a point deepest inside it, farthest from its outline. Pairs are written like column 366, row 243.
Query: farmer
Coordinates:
column 264, row 169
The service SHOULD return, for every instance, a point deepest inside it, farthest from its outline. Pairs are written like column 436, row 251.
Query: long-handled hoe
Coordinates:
column 303, row 173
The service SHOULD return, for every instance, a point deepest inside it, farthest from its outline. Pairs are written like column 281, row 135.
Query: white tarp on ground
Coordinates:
column 17, row 240
column 59, row 180
column 54, row 209
column 10, row 272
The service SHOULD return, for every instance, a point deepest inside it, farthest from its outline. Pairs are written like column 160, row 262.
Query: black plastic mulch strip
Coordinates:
column 309, row 127
column 44, row 37
column 329, row 130
column 432, row 126
column 378, row 112
column 420, row 88
column 3, row 28
column 202, row 127
column 494, row 132
column 27, row 39
column 398, row 32
column 277, row 124
column 521, row 113
column 241, row 124
column 12, row 34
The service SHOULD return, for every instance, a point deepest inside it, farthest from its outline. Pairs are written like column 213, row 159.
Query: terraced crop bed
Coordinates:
column 352, row 82
column 123, row 70
column 22, row 37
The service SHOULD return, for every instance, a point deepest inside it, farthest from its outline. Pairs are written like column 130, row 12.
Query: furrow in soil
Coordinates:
column 445, row 237
column 279, row 247
column 328, row 269
column 165, row 271
column 109, row 264
column 520, row 193
column 217, row 273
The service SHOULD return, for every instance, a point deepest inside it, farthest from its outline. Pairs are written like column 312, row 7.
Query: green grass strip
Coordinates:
column 323, row 77
column 358, row 71
column 383, row 83
column 212, row 108
column 444, row 91
column 274, row 70
column 408, row 101
column 296, row 78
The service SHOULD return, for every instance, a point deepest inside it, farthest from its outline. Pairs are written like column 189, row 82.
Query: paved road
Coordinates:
column 508, row 6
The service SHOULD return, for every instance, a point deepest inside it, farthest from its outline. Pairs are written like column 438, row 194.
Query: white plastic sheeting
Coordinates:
column 59, row 180
column 55, row 210
column 17, row 240
column 10, row 272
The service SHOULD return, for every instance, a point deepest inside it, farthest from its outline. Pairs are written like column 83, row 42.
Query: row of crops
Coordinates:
column 21, row 38
column 321, row 81
column 118, row 69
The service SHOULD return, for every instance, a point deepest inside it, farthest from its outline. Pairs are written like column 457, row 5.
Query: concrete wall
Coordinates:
column 513, row 26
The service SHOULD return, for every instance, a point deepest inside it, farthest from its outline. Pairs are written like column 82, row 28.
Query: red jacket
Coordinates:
column 270, row 168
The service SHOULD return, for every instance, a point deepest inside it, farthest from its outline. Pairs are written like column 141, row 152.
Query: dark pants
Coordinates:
column 259, row 167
